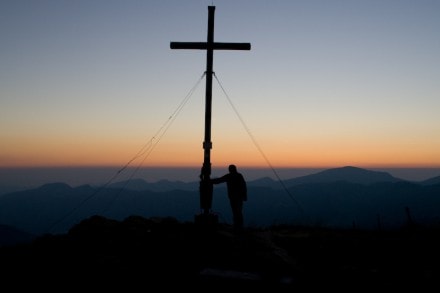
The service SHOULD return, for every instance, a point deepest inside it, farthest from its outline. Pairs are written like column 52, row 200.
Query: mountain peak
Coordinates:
column 55, row 186
column 347, row 173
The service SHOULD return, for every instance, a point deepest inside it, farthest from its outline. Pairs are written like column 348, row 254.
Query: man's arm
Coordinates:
column 222, row 179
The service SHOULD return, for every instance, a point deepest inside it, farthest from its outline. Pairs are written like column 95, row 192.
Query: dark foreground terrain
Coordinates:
column 162, row 254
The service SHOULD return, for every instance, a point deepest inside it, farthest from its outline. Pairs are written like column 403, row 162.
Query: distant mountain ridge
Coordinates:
column 347, row 174
column 158, row 186
column 339, row 197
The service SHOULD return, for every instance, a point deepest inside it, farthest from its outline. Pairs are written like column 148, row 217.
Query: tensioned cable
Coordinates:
column 149, row 146
column 145, row 149
column 257, row 145
column 160, row 134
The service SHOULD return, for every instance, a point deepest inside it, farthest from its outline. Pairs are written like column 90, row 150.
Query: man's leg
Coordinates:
column 237, row 214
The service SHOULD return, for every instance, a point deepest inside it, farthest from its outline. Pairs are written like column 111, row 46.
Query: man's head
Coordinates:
column 232, row 169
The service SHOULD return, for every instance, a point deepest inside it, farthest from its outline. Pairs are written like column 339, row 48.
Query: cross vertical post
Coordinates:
column 206, row 188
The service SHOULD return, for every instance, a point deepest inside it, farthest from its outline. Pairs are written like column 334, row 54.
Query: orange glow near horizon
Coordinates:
column 175, row 152
column 75, row 155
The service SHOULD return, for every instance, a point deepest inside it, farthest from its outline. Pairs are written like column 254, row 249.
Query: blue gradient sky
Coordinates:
column 326, row 83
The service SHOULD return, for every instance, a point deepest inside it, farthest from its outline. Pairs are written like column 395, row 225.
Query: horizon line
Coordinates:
column 391, row 166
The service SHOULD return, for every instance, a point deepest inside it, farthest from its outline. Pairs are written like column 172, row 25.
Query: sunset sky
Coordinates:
column 325, row 84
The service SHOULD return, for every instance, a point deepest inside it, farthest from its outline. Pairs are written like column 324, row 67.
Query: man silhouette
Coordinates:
column 237, row 193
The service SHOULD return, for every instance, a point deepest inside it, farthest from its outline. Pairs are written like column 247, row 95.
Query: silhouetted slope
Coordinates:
column 143, row 253
column 12, row 236
column 431, row 181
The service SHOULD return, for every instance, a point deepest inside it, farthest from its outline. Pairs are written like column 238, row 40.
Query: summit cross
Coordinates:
column 206, row 189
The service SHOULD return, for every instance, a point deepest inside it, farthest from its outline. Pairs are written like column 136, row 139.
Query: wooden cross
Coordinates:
column 209, row 46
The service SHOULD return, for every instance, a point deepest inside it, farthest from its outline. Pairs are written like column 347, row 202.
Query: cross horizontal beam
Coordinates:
column 206, row 46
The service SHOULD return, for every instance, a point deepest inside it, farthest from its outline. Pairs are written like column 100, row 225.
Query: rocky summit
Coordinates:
column 139, row 254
